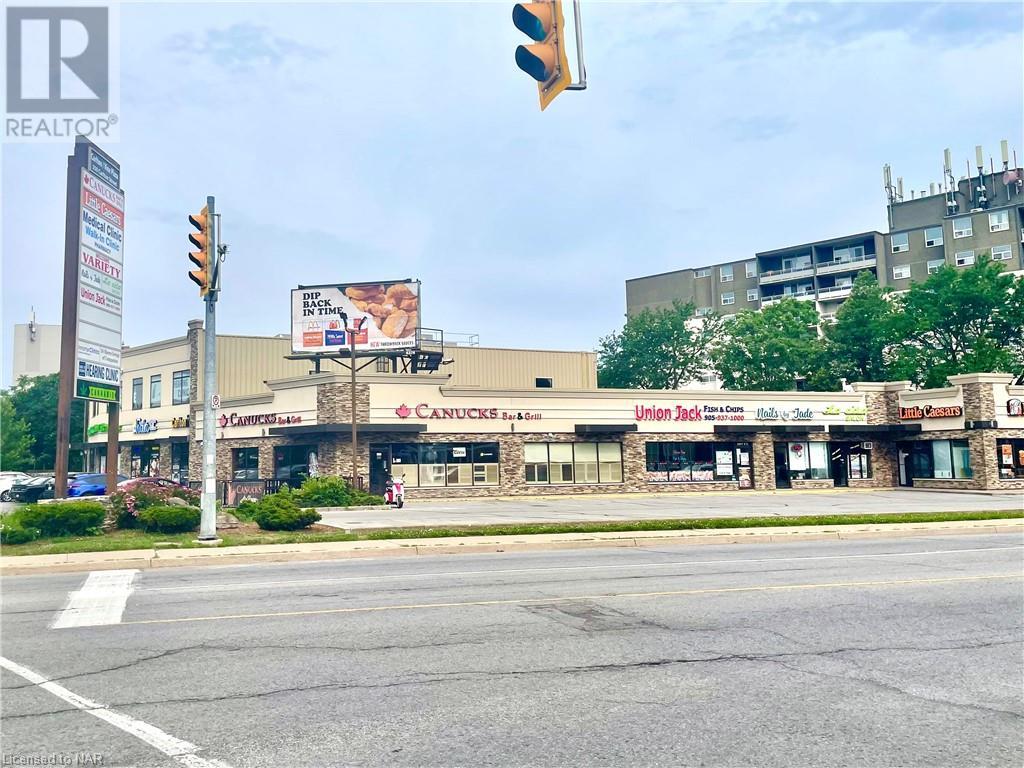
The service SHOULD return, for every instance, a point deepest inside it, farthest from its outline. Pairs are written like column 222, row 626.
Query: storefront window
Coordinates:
column 179, row 462
column 460, row 465
column 436, row 465
column 941, row 460
column 961, row 459
column 609, row 456
column 560, row 462
column 698, row 462
column 245, row 464
column 432, row 466
column 573, row 463
column 1010, row 459
column 859, row 462
column 536, row 457
column 405, row 463
column 808, row 460
column 485, row 464
column 145, row 460
column 291, row 462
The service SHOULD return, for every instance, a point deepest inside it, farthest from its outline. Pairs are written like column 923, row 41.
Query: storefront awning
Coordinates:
column 604, row 429
column 795, row 429
column 345, row 429
column 144, row 441
column 898, row 429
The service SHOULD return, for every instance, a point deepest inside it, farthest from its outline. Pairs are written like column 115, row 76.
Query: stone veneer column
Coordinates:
column 979, row 394
column 265, row 460
column 334, row 403
column 124, row 460
column 882, row 399
column 980, row 405
column 164, row 462
column 764, row 461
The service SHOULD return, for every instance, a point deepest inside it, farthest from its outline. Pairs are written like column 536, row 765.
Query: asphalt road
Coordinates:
column 872, row 652
column 649, row 507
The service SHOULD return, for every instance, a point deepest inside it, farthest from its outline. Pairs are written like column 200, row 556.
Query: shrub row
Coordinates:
column 72, row 518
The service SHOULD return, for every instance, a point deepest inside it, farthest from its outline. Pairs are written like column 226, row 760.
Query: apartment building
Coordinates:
column 953, row 222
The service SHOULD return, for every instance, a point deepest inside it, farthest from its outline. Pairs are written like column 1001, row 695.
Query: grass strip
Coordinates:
column 133, row 539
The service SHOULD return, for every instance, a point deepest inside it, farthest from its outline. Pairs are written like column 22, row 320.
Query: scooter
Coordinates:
column 394, row 492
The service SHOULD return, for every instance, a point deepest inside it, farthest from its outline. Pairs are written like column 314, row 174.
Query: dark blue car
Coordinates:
column 90, row 485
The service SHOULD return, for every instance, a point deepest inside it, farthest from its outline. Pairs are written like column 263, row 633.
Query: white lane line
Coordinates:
column 101, row 600
column 181, row 751
column 630, row 566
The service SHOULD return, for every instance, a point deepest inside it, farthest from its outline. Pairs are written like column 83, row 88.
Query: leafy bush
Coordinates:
column 279, row 512
column 169, row 519
column 333, row 492
column 73, row 518
column 12, row 532
column 246, row 509
column 128, row 502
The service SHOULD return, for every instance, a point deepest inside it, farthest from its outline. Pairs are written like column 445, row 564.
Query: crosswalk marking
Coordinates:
column 101, row 600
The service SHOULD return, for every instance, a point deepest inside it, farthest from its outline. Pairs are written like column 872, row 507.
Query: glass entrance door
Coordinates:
column 782, row 466
column 840, row 457
column 380, row 467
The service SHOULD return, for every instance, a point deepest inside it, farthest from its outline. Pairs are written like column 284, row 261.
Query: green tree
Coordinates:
column 15, row 441
column 768, row 350
column 858, row 345
column 658, row 349
column 960, row 321
column 34, row 401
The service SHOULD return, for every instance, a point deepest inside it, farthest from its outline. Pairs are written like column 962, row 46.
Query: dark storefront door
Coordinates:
column 380, row 467
column 903, row 451
column 840, row 456
column 781, row 466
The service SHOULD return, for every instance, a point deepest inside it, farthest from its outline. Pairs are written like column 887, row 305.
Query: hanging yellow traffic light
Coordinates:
column 545, row 60
column 201, row 258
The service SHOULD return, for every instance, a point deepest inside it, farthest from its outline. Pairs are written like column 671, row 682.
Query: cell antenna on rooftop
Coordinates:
column 1004, row 147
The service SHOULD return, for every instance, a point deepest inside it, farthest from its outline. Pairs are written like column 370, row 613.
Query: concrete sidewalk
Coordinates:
column 277, row 553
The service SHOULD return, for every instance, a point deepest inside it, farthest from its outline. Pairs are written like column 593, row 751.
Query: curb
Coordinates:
column 280, row 553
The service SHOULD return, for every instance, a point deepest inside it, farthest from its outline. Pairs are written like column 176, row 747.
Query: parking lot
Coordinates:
column 652, row 507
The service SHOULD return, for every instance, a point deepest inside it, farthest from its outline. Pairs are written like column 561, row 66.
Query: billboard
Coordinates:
column 100, row 239
column 390, row 312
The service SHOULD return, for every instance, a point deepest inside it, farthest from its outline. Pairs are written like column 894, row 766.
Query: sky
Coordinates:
column 362, row 141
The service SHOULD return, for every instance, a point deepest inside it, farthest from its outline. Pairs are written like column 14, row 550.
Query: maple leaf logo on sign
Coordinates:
column 223, row 421
column 403, row 411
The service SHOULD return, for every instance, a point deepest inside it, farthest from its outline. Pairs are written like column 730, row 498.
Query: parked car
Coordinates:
column 161, row 482
column 33, row 489
column 90, row 485
column 7, row 479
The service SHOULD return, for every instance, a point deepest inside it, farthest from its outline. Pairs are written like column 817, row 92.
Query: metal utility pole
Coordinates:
column 352, row 366
column 352, row 331
column 208, row 521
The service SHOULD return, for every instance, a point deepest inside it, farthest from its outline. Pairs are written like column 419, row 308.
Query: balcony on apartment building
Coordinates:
column 780, row 268
column 800, row 291
column 852, row 258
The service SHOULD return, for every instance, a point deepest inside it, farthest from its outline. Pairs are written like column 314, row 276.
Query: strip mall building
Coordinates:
column 549, row 430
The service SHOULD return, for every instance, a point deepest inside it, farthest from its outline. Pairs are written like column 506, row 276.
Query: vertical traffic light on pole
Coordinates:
column 545, row 60
column 202, row 258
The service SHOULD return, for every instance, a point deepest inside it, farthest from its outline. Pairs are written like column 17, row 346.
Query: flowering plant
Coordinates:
column 129, row 501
